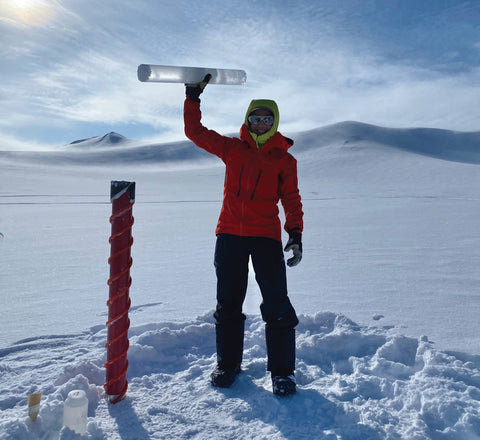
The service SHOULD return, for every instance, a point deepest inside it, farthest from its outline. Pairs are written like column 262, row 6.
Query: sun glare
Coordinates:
column 27, row 12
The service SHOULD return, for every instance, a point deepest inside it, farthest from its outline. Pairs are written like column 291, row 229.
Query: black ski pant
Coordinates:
column 232, row 255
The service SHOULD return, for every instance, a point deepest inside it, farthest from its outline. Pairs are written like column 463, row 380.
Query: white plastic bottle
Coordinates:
column 75, row 411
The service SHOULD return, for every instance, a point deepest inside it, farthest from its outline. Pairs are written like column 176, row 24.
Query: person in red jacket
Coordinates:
column 259, row 173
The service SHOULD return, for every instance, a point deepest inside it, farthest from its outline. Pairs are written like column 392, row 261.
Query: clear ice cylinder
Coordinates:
column 180, row 74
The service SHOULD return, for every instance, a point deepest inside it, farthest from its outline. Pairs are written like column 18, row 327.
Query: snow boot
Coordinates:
column 284, row 385
column 224, row 378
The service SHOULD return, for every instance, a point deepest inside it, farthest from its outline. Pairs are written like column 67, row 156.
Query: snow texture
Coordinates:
column 387, row 292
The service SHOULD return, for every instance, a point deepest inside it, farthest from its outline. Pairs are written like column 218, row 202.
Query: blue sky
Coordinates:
column 68, row 67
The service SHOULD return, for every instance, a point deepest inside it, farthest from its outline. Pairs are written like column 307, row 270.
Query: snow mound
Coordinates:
column 441, row 144
column 354, row 382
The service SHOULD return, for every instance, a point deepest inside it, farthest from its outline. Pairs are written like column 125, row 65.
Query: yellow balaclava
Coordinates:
column 262, row 139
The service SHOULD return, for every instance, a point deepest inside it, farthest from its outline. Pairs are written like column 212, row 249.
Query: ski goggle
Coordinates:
column 255, row 119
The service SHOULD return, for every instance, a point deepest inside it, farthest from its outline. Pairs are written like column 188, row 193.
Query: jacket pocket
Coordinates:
column 240, row 181
column 256, row 184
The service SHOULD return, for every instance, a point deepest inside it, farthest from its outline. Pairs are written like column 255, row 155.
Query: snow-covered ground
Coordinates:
column 388, row 345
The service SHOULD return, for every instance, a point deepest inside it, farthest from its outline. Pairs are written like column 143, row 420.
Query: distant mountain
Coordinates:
column 107, row 140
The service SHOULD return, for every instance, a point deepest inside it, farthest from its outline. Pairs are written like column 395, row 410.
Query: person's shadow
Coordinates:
column 129, row 426
column 306, row 415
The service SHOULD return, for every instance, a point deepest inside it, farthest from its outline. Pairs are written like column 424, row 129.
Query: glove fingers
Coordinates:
column 294, row 260
column 202, row 84
column 291, row 246
column 297, row 255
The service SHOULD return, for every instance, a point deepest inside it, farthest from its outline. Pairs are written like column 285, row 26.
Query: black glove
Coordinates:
column 194, row 90
column 294, row 244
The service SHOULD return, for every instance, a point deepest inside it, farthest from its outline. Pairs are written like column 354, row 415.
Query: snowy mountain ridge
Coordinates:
column 438, row 143
column 443, row 144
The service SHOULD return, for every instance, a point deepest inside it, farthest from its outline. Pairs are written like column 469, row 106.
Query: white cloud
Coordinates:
column 12, row 143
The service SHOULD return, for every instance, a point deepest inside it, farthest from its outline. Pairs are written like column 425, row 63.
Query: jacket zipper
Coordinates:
column 256, row 184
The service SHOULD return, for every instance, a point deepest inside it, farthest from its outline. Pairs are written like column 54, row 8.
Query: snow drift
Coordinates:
column 354, row 383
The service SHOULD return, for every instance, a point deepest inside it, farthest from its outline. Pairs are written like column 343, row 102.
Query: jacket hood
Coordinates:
column 269, row 105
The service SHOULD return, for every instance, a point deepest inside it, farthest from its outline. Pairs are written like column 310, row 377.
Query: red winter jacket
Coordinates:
column 255, row 179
